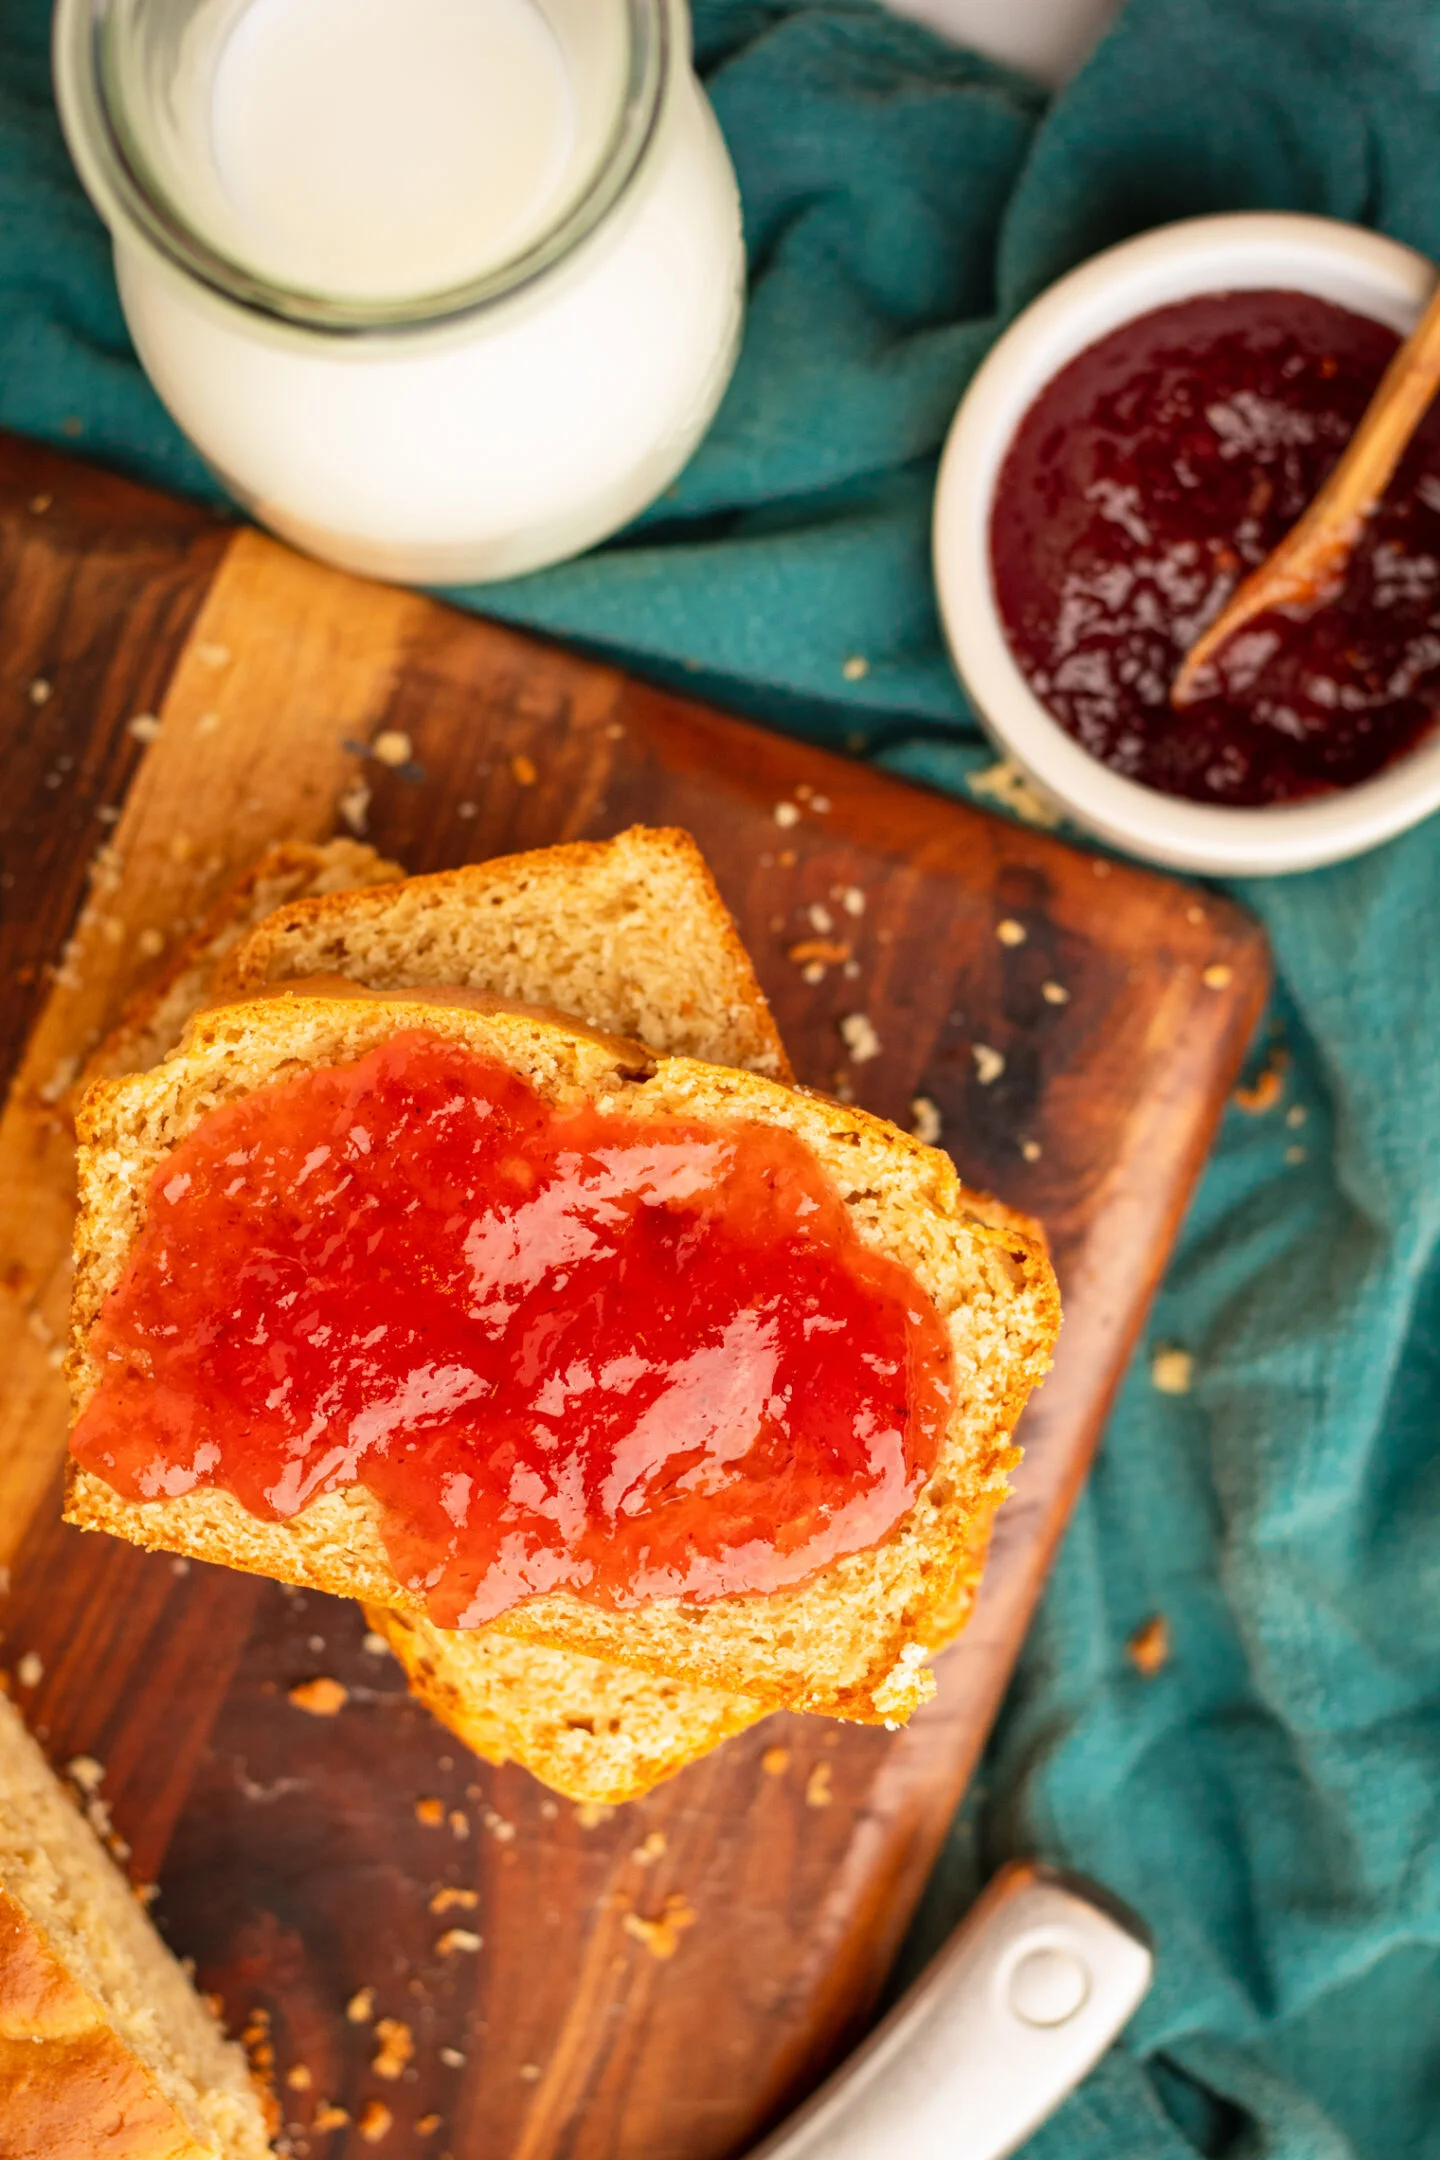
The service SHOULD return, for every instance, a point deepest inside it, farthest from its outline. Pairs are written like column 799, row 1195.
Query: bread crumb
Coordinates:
column 1296, row 1115
column 329, row 2117
column 86, row 1772
column 430, row 1812
column 39, row 504
column 31, row 1669
column 650, row 1851
column 150, row 944
column 1172, row 1371
column 775, row 1761
column 787, row 858
column 819, row 952
column 851, row 898
column 820, row 804
column 375, row 2122
column 1149, row 1646
column 1266, row 1089
column 787, row 814
column 1294, row 1155
column 145, row 728
column 1005, row 784
column 1011, row 932
column 661, row 1936
column 905, row 1685
column 392, row 746
column 1217, row 976
column 591, row 1813
column 397, row 2046
column 813, row 974
column 989, row 1064
column 428, row 2125
column 298, row 2077
column 925, row 1121
column 180, row 1567
column 817, row 1786
column 448, row 1899
column 1030, row 1150
column 456, row 1940
column 40, row 691
column 361, row 2006
column 530, row 2072
column 822, row 922
column 452, row 2058
column 354, row 806
column 459, row 1823
column 211, row 655
column 859, row 1037
column 467, row 810
column 208, row 724
column 319, row 1698
column 524, row 770
column 855, row 668
column 1195, row 914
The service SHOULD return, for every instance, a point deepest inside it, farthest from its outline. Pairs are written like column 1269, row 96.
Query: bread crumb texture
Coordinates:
column 104, row 2046
column 630, row 935
column 589, row 1728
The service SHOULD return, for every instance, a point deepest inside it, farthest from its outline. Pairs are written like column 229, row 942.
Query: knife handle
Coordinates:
column 1026, row 1996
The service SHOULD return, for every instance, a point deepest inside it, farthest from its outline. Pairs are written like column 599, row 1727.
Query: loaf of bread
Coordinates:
column 591, row 1731
column 106, row 2052
column 853, row 1640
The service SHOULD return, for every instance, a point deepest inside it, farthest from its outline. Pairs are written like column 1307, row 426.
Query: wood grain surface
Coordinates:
column 660, row 1981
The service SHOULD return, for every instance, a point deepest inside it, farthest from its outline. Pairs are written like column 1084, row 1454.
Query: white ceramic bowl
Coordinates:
column 1356, row 269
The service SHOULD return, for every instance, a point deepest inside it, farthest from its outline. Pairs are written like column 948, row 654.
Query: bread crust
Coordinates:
column 853, row 1640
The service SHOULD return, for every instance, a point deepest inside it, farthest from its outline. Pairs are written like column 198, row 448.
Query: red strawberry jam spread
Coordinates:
column 563, row 1348
column 1154, row 473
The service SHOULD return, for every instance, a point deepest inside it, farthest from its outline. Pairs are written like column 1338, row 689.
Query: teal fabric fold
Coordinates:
column 1268, row 1800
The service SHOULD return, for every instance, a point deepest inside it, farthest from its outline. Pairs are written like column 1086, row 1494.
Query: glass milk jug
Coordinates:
column 442, row 290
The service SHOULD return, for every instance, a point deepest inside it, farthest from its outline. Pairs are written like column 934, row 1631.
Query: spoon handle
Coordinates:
column 1308, row 567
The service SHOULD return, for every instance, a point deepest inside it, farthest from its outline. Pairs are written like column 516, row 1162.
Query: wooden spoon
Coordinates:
column 1308, row 568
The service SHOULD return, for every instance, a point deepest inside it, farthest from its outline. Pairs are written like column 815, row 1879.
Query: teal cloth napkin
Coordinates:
column 1269, row 1799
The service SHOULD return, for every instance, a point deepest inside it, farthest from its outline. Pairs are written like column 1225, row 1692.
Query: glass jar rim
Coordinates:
column 131, row 204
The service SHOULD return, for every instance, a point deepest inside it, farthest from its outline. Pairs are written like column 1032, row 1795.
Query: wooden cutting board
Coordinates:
column 174, row 693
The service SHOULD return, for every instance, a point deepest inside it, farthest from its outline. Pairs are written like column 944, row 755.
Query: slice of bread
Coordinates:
column 629, row 935
column 156, row 1017
column 853, row 1640
column 505, row 1699
column 586, row 1727
column 105, row 2049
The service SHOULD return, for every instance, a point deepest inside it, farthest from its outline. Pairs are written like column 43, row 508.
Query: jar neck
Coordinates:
column 135, row 84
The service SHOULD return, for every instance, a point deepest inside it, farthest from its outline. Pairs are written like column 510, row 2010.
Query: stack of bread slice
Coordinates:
column 105, row 2049
column 613, row 971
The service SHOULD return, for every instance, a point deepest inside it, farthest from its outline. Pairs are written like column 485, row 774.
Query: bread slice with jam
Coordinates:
column 105, row 2048
column 849, row 1640
column 590, row 1730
